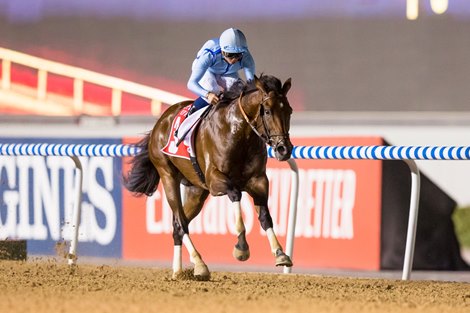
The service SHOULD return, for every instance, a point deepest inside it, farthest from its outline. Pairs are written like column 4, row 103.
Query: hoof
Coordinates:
column 241, row 255
column 201, row 272
column 283, row 259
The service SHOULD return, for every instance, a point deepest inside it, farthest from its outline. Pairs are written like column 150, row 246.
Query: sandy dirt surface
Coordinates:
column 51, row 286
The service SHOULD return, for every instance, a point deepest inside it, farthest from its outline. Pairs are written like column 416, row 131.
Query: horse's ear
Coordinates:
column 286, row 86
column 259, row 84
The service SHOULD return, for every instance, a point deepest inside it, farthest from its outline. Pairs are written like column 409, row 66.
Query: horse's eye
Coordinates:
column 267, row 111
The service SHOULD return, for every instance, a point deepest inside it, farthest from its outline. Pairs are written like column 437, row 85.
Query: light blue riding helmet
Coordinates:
column 233, row 40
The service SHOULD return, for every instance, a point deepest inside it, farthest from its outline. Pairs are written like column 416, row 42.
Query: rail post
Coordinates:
column 77, row 211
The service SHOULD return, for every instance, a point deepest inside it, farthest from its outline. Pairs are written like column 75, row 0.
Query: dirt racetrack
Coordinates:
column 51, row 286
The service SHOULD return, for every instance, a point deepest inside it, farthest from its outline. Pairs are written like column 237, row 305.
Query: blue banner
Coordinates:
column 37, row 197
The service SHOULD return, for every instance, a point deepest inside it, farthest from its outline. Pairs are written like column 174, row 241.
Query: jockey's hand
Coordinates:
column 213, row 98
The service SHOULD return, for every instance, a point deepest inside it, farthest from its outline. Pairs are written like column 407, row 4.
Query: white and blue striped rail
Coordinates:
column 379, row 152
column 59, row 149
column 298, row 152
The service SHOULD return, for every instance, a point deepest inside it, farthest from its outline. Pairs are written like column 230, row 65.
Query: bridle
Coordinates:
column 267, row 137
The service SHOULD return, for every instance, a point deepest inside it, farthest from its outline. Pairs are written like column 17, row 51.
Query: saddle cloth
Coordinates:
column 181, row 125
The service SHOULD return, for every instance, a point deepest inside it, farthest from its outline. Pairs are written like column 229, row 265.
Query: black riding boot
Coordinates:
column 192, row 110
column 199, row 103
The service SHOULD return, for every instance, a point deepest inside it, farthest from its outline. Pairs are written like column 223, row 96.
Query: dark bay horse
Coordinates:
column 231, row 151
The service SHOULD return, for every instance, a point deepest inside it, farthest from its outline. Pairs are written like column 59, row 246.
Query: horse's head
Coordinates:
column 275, row 113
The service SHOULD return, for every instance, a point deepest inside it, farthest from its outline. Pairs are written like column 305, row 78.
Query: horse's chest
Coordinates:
column 241, row 169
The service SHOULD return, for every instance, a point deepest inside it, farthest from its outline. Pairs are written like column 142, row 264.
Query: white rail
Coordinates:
column 80, row 76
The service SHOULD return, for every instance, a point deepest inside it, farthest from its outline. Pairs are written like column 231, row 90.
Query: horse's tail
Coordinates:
column 143, row 178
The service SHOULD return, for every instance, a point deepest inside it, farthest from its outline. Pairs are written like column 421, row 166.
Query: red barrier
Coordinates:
column 338, row 221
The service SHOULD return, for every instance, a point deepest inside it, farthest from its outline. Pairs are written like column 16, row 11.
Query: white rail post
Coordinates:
column 77, row 208
column 412, row 219
column 294, row 195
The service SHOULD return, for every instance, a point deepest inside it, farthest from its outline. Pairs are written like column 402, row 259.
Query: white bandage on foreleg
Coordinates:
column 177, row 259
column 273, row 240
column 237, row 210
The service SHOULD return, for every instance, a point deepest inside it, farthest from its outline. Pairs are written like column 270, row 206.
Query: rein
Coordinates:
column 247, row 119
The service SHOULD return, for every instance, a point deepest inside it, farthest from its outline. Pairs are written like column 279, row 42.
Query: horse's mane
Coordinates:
column 269, row 82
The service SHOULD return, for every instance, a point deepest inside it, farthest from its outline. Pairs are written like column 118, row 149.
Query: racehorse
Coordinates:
column 231, row 152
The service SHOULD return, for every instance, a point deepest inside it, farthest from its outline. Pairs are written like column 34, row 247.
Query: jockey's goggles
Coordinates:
column 232, row 55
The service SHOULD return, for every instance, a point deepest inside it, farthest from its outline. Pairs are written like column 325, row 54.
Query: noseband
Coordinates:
column 266, row 137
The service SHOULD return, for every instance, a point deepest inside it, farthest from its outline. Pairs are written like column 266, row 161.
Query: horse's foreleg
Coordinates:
column 266, row 222
column 258, row 189
column 241, row 251
column 220, row 184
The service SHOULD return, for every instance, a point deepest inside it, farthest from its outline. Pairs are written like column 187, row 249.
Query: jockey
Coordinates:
column 216, row 67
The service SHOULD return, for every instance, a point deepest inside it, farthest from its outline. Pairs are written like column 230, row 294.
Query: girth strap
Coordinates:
column 198, row 170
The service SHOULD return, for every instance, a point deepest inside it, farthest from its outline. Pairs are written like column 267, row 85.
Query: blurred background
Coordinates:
column 393, row 69
column 359, row 55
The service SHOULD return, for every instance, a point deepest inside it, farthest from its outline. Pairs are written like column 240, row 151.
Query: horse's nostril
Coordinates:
column 281, row 149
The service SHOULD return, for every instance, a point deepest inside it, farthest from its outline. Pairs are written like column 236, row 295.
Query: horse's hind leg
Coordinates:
column 194, row 200
column 181, row 217
column 180, row 225
column 201, row 271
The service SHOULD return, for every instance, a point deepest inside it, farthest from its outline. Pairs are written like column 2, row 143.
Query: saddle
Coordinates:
column 182, row 136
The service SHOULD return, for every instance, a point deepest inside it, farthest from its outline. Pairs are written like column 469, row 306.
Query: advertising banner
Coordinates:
column 338, row 218
column 37, row 194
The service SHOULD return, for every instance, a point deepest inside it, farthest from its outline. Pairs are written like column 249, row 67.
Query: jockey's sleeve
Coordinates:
column 249, row 66
column 200, row 65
